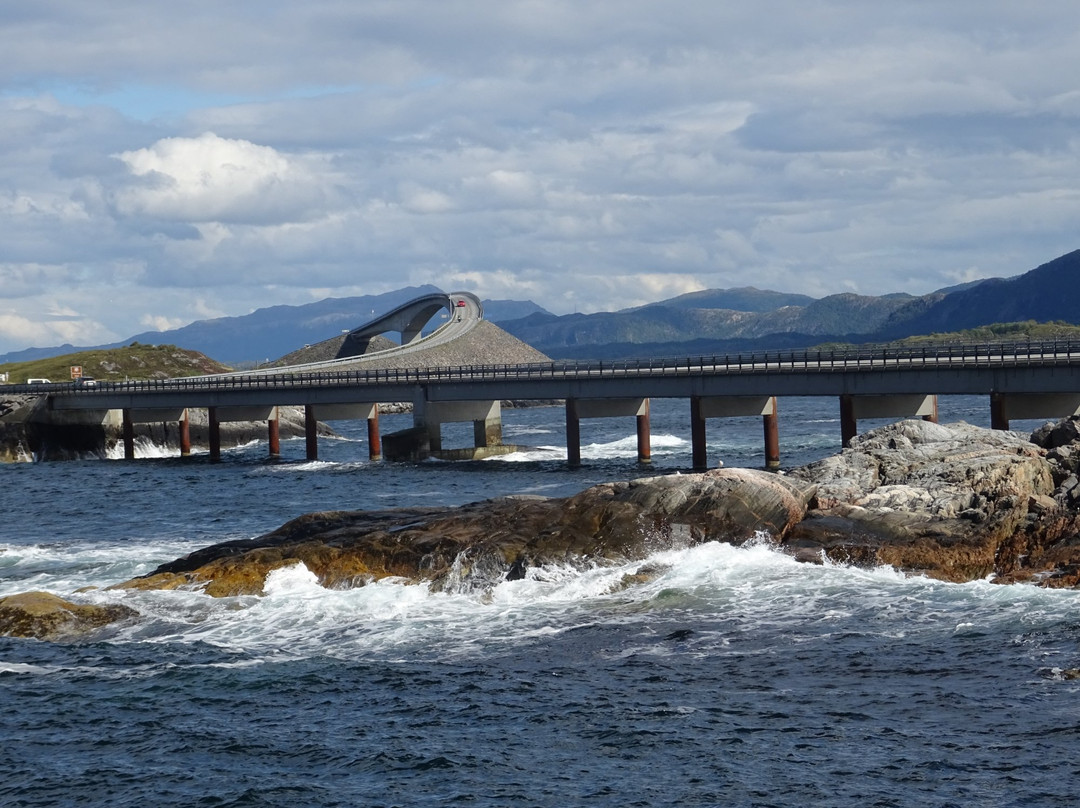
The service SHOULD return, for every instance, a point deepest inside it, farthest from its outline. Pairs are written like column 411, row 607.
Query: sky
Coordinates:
column 169, row 162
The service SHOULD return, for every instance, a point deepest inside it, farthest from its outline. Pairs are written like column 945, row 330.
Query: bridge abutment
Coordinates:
column 1004, row 408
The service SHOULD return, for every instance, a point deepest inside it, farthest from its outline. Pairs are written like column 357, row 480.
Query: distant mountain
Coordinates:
column 269, row 333
column 1048, row 292
column 727, row 320
column 660, row 323
column 745, row 298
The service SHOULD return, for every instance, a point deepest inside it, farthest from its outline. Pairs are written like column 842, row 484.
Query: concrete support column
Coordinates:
column 644, row 436
column 311, row 433
column 215, row 434
column 374, row 439
column 274, row 437
column 487, row 432
column 933, row 416
column 573, row 434
column 849, row 427
column 998, row 417
column 185, row 435
column 697, row 435
column 129, row 435
column 771, row 424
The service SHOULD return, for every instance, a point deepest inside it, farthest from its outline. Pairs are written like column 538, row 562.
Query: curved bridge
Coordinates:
column 464, row 311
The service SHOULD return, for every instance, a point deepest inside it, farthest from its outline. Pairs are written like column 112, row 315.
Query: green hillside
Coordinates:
column 135, row 361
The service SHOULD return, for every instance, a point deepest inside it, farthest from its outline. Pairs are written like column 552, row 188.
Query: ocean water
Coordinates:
column 736, row 677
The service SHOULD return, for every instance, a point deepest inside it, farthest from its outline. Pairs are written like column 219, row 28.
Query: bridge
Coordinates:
column 1020, row 381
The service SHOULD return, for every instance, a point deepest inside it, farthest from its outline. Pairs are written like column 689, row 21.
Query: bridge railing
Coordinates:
column 865, row 358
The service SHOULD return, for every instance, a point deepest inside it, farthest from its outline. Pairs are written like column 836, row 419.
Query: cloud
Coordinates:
column 159, row 170
column 214, row 179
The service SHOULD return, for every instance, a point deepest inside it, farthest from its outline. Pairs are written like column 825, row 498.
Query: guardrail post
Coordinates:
column 699, row 452
column 573, row 434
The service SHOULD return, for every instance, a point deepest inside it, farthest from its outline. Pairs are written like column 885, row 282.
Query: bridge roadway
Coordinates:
column 1022, row 380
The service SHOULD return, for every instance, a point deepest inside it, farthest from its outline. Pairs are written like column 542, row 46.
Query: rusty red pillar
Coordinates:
column 311, row 433
column 129, row 435
column 573, row 434
column 273, row 429
column 215, row 434
column 644, row 436
column 932, row 417
column 185, row 435
column 699, row 450
column 849, row 426
column 998, row 417
column 771, row 424
column 373, row 437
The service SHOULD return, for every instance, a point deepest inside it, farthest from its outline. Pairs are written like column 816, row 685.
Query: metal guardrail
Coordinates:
column 852, row 360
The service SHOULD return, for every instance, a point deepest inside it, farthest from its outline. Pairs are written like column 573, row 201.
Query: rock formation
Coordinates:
column 477, row 545
column 953, row 502
column 47, row 617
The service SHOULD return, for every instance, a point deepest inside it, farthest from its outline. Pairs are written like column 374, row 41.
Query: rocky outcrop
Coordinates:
column 48, row 617
column 952, row 502
column 477, row 545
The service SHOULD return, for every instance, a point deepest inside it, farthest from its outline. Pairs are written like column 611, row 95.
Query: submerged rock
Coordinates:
column 478, row 545
column 48, row 617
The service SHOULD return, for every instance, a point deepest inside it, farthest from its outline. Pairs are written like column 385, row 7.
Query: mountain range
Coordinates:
column 709, row 321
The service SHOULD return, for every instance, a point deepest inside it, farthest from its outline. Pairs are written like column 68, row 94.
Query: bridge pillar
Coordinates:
column 215, row 434
column 579, row 408
column 374, row 439
column 699, row 451
column 129, row 435
column 311, row 433
column 486, row 418
column 849, row 425
column 573, row 434
column 185, row 435
column 853, row 408
column 705, row 407
column 644, row 436
column 1028, row 406
column 273, row 436
column 771, row 424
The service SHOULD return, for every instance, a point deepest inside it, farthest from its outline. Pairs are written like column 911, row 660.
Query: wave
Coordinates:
column 725, row 592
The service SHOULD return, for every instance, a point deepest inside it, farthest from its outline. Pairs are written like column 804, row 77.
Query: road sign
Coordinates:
column 76, row 371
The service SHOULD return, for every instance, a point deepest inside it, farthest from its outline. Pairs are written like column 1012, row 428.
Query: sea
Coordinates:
column 737, row 677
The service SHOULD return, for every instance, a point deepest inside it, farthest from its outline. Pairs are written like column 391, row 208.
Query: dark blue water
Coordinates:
column 738, row 677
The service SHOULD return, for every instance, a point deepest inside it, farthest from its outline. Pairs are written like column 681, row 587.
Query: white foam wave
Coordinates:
column 746, row 588
column 612, row 450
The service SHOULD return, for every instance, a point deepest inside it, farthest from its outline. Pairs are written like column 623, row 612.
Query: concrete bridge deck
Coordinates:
column 1021, row 380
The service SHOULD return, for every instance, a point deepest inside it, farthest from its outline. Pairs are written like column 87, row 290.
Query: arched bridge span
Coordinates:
column 464, row 312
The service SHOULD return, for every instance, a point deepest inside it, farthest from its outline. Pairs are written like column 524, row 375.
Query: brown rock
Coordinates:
column 475, row 546
column 49, row 617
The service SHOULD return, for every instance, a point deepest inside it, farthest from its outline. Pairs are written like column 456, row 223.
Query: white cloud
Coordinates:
column 214, row 179
column 158, row 170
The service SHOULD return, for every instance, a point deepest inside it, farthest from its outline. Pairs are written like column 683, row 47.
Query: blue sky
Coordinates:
column 167, row 162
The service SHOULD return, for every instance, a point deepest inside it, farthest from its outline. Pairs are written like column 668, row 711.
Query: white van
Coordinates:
column 38, row 381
